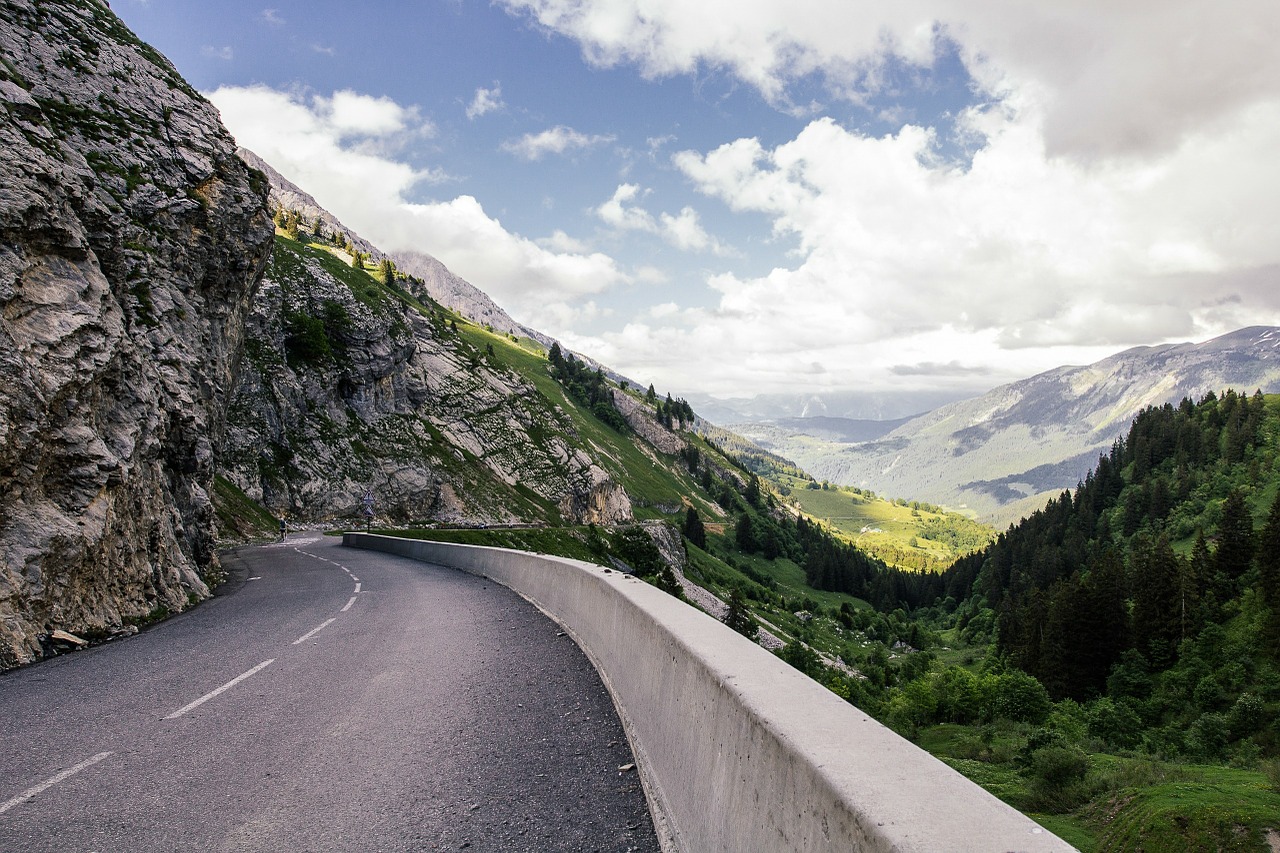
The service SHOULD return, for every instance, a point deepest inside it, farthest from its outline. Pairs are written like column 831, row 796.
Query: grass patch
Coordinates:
column 908, row 535
column 239, row 516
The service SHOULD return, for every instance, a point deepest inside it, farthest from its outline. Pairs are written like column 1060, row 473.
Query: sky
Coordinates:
column 740, row 197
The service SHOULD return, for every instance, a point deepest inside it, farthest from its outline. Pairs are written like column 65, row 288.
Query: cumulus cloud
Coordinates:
column 323, row 145
column 210, row 52
column 485, row 101
column 555, row 140
column 683, row 230
column 1019, row 262
column 1111, row 77
column 272, row 17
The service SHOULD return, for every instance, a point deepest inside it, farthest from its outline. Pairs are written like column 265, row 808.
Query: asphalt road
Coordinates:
column 326, row 699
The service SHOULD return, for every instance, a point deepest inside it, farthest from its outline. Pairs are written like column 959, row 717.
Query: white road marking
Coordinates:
column 348, row 605
column 50, row 782
column 312, row 632
column 232, row 683
column 258, row 578
column 357, row 589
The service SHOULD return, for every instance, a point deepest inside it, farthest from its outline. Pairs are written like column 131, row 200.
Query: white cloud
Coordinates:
column 225, row 52
column 556, row 140
column 272, row 17
column 683, row 230
column 1110, row 77
column 485, row 101
column 559, row 241
column 353, row 114
column 324, row 49
column 318, row 144
column 1019, row 263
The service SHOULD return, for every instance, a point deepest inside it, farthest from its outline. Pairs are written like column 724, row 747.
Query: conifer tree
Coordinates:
column 694, row 530
column 387, row 270
column 738, row 616
column 1235, row 539
column 1269, row 578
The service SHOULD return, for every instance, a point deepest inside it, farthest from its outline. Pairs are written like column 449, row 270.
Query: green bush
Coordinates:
column 1057, row 778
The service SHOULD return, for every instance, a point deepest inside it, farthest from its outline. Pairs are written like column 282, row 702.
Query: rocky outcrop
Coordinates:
column 349, row 388
column 640, row 418
column 130, row 241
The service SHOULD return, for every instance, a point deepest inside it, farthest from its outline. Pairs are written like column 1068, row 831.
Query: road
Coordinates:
column 326, row 699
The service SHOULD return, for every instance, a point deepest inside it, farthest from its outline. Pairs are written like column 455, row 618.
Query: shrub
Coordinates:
column 1021, row 698
column 1057, row 778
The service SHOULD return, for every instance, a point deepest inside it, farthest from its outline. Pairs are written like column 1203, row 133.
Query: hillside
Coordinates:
column 356, row 381
column 1001, row 455
column 433, row 279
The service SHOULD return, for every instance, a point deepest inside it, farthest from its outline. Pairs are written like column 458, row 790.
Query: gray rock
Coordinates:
column 131, row 238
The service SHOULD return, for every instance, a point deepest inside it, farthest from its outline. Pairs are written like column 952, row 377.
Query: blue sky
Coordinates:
column 754, row 196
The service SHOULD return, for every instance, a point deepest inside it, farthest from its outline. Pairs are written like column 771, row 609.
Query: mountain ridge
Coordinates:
column 439, row 282
column 1001, row 454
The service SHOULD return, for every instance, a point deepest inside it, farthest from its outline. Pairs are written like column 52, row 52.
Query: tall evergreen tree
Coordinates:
column 694, row 530
column 1235, row 538
column 1269, row 578
column 1153, row 581
column 738, row 616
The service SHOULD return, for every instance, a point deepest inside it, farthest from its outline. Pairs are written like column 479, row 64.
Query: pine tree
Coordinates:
column 1269, row 578
column 694, row 530
column 387, row 271
column 738, row 616
column 1235, row 539
column 744, row 534
column 1153, row 571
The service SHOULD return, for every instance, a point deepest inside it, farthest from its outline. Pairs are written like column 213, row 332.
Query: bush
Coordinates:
column 1021, row 698
column 1114, row 723
column 1271, row 769
column 1209, row 735
column 305, row 340
column 1057, row 778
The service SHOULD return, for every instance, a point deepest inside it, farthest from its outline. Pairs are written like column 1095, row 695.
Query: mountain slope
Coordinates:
column 439, row 284
column 353, row 383
column 351, row 386
column 1002, row 454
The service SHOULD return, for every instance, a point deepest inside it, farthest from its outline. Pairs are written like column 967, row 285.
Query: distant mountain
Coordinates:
column 1002, row 454
column 852, row 405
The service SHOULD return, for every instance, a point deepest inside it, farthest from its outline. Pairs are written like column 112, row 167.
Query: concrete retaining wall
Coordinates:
column 738, row 751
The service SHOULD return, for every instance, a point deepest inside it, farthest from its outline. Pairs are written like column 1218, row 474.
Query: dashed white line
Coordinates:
column 53, row 780
column 224, row 688
column 357, row 589
column 312, row 632
column 347, row 606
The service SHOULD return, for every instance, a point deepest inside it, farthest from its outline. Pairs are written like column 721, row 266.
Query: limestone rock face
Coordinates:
column 348, row 388
column 131, row 238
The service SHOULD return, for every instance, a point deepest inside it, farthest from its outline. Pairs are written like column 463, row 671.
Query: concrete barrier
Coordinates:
column 737, row 750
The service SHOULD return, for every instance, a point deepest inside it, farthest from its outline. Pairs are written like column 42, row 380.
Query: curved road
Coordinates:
column 326, row 699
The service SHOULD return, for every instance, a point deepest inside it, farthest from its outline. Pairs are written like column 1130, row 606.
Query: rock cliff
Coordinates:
column 131, row 238
column 349, row 386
